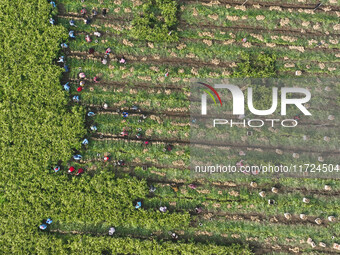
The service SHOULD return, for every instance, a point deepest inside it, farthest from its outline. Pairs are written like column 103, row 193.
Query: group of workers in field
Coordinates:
column 82, row 78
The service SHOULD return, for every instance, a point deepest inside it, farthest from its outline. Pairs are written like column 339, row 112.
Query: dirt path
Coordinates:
column 266, row 5
column 186, row 26
column 156, row 60
column 101, row 136
column 175, row 114
column 224, row 42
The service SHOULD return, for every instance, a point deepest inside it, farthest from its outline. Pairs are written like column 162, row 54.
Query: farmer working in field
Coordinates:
column 122, row 60
column 104, row 12
column 108, row 51
column 61, row 59
column 97, row 34
column 121, row 162
column 124, row 133
column 71, row 170
column 80, row 171
column 87, row 21
column 88, row 38
column 72, row 23
column 83, row 11
column 76, row 99
column 67, row 87
column 71, row 34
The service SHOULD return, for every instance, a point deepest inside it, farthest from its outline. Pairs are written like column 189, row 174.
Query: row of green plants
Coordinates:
column 269, row 19
column 156, row 21
column 304, row 185
column 200, row 50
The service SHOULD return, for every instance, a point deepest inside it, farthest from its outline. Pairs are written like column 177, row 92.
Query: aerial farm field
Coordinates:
column 125, row 87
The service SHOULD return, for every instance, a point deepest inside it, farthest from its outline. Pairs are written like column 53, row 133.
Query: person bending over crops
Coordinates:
column 87, row 21
column 42, row 226
column 163, row 209
column 108, row 51
column 104, row 61
column 66, row 68
column 85, row 142
column 72, row 24
column 56, row 169
column 297, row 117
column 112, row 230
column 45, row 223
column 77, row 157
column 135, row 108
column 52, row 21
column 174, row 236
column 198, row 210
column 122, row 60
column 67, row 87
column 64, row 45
column 71, row 170
column 91, row 51
column 95, row 79
column 61, row 59
column 138, row 205
column 98, row 34
column 139, row 135
column 83, row 11
column 76, row 99
column 88, row 38
column 80, row 171
column 53, row 4
column 94, row 13
column 82, row 75
column 169, row 147
column 93, row 128
column 104, row 12
column 121, row 162
column 71, row 34
column 80, row 88
column 152, row 189
column 124, row 133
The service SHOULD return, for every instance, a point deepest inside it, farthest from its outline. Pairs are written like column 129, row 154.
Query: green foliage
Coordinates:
column 259, row 65
column 154, row 19
column 38, row 127
column 262, row 96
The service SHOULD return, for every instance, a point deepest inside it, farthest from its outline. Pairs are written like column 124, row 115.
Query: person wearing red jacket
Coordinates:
column 80, row 171
column 71, row 170
column 80, row 88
